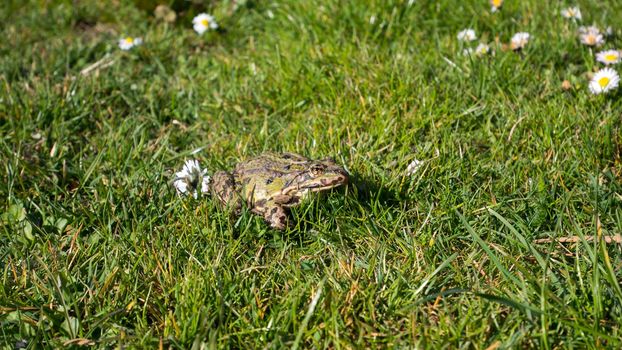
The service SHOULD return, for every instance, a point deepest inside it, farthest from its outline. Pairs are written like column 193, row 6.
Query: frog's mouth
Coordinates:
column 326, row 184
column 301, row 189
column 322, row 187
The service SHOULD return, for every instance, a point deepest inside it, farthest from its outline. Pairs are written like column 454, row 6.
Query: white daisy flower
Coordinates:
column 591, row 36
column 519, row 40
column 572, row 13
column 482, row 49
column 203, row 22
column 495, row 5
column 129, row 42
column 413, row 167
column 604, row 80
column 609, row 57
column 190, row 177
column 467, row 35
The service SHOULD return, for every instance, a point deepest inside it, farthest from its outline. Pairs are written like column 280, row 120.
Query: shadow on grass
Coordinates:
column 343, row 209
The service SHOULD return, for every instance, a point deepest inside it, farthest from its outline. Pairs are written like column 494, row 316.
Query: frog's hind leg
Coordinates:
column 276, row 216
column 223, row 188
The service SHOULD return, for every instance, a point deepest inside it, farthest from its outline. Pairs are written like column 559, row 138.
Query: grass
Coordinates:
column 97, row 249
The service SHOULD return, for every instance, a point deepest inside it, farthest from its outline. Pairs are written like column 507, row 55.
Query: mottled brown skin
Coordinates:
column 272, row 182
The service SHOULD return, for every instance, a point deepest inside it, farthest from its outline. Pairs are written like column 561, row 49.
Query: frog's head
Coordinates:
column 317, row 176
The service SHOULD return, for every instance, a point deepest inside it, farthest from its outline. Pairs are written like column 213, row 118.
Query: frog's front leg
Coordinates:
column 276, row 216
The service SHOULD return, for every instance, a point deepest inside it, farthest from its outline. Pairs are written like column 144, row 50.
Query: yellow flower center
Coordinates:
column 603, row 82
column 496, row 3
column 129, row 40
column 205, row 22
column 610, row 57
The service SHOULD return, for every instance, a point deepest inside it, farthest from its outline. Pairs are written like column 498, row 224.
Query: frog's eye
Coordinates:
column 317, row 169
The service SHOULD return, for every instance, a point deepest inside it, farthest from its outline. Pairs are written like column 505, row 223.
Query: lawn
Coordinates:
column 98, row 250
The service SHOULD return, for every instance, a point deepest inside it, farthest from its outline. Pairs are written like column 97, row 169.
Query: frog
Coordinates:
column 271, row 183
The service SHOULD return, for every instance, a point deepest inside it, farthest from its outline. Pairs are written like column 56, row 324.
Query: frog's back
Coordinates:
column 269, row 162
column 261, row 177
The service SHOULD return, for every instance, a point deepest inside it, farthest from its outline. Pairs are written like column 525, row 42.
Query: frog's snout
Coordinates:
column 341, row 178
column 344, row 178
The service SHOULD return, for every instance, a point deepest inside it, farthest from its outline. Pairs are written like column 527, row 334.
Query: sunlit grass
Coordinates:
column 96, row 247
